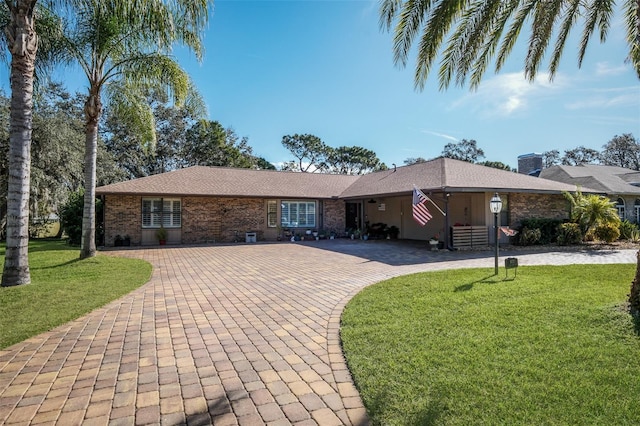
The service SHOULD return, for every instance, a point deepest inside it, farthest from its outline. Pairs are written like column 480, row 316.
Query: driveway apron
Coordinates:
column 237, row 334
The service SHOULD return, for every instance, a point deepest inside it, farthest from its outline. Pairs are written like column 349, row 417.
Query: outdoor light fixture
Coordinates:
column 495, row 205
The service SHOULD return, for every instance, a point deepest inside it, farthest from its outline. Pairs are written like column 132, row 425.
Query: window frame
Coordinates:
column 163, row 212
column 309, row 210
column 621, row 208
column 272, row 213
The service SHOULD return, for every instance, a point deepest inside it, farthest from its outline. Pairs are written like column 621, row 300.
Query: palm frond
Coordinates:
column 409, row 24
column 598, row 14
column 545, row 14
column 511, row 37
column 388, row 11
column 440, row 21
column 632, row 19
column 571, row 14
column 463, row 46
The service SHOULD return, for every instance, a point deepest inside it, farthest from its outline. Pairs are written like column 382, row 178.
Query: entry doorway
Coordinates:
column 353, row 215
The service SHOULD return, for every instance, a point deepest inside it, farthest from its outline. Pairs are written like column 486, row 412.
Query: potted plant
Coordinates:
column 393, row 232
column 161, row 235
column 434, row 242
column 118, row 241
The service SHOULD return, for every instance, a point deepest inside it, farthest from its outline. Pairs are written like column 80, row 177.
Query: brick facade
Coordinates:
column 216, row 219
column 334, row 218
column 122, row 216
column 205, row 219
column 548, row 206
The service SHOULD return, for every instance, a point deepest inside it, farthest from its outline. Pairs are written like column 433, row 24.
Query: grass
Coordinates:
column 63, row 288
column 553, row 346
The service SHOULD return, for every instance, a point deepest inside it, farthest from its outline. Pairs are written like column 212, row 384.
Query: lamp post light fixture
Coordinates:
column 495, row 205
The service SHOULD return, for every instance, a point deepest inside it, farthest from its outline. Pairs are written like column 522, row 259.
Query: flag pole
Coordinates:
column 431, row 201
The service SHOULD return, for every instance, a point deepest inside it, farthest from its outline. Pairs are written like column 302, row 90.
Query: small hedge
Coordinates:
column 628, row 230
column 538, row 231
column 569, row 233
column 607, row 233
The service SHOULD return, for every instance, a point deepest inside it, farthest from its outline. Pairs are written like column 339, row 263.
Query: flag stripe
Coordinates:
column 421, row 213
column 508, row 231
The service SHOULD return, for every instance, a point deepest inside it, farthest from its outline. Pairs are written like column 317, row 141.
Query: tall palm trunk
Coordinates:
column 92, row 110
column 22, row 43
column 634, row 294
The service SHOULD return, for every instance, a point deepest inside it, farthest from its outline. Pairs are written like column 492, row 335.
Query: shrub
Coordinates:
column 608, row 233
column 627, row 230
column 529, row 236
column 71, row 218
column 569, row 233
column 548, row 228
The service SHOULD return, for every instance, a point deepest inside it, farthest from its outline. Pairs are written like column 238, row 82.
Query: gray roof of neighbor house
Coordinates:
column 610, row 180
column 232, row 182
column 441, row 174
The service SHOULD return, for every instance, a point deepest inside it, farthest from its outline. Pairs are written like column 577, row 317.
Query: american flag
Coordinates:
column 508, row 231
column 420, row 212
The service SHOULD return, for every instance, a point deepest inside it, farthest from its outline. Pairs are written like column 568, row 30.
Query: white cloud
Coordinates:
column 509, row 94
column 607, row 98
column 604, row 69
column 440, row 135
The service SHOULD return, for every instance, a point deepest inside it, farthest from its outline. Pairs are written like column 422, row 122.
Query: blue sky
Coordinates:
column 273, row 68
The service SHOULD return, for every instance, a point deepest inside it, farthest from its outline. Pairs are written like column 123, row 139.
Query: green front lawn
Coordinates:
column 63, row 288
column 465, row 347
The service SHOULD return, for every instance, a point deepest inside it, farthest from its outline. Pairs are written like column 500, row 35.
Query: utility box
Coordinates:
column 250, row 237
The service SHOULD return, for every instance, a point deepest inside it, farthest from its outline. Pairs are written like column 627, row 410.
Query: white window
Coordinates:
column 636, row 206
column 158, row 212
column 298, row 214
column 620, row 208
column 272, row 213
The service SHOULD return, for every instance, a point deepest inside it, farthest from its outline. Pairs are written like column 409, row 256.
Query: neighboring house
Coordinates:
column 216, row 204
column 621, row 185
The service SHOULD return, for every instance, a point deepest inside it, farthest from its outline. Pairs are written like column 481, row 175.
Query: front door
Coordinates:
column 354, row 215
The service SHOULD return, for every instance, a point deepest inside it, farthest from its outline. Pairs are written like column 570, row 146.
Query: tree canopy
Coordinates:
column 465, row 150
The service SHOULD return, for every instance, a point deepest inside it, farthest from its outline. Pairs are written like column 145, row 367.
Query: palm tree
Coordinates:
column 590, row 211
column 123, row 48
column 475, row 30
column 22, row 42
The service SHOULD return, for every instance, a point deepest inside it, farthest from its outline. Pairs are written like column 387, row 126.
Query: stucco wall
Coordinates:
column 629, row 206
column 526, row 206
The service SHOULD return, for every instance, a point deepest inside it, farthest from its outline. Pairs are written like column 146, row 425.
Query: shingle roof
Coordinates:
column 608, row 179
column 446, row 174
column 441, row 174
column 231, row 182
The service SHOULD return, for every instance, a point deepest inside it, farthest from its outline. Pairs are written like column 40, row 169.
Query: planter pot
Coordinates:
column 163, row 242
column 434, row 245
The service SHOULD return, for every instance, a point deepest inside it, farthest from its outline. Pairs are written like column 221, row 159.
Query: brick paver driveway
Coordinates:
column 237, row 334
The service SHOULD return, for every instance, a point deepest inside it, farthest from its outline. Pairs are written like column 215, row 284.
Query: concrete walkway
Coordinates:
column 234, row 334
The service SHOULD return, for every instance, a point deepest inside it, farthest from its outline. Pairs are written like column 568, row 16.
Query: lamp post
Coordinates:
column 495, row 205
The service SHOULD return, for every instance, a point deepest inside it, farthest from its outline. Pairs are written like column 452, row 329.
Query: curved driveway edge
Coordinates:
column 234, row 334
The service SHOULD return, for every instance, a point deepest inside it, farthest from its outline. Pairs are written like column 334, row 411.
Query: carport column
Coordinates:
column 447, row 231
